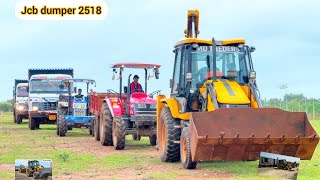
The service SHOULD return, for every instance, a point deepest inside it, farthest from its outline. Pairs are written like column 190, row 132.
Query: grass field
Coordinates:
column 78, row 156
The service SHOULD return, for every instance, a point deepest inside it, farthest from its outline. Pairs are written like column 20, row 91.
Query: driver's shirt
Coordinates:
column 79, row 96
column 136, row 87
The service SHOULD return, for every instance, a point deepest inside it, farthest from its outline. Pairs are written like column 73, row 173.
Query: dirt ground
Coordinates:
column 279, row 173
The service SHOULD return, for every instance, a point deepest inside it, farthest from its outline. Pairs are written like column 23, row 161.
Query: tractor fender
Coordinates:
column 173, row 105
column 115, row 106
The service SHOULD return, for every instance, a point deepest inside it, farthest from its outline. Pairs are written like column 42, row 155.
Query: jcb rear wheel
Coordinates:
column 167, row 137
column 106, row 126
column 153, row 140
column 62, row 126
column 185, row 150
column 119, row 133
column 96, row 128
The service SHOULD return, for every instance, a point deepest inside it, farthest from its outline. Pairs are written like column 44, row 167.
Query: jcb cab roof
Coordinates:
column 209, row 42
column 135, row 65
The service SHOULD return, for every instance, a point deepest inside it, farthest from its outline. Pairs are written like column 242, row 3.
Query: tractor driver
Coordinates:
column 135, row 86
column 79, row 95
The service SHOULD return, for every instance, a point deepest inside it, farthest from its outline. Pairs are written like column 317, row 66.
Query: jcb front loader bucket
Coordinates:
column 238, row 134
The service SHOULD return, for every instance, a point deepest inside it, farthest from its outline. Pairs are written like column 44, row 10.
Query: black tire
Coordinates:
column 185, row 149
column 136, row 137
column 14, row 116
column 70, row 128
column 153, row 140
column 167, row 135
column 119, row 133
column 32, row 123
column 96, row 128
column 35, row 175
column 91, row 127
column 105, row 130
column 38, row 125
column 29, row 173
column 62, row 126
column 18, row 119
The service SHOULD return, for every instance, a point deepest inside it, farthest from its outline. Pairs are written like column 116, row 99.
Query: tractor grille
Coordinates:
column 79, row 112
column 46, row 106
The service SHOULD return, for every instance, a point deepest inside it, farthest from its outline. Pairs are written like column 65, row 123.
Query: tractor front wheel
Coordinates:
column 119, row 133
column 185, row 150
column 96, row 128
column 106, row 126
column 62, row 123
column 136, row 137
column 168, row 136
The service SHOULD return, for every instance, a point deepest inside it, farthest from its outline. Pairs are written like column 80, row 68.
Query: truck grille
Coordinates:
column 79, row 112
column 46, row 106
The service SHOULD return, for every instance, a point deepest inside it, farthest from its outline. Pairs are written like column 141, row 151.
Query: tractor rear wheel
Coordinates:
column 62, row 123
column 18, row 119
column 106, row 126
column 185, row 150
column 32, row 123
column 119, row 133
column 153, row 140
column 96, row 128
column 168, row 136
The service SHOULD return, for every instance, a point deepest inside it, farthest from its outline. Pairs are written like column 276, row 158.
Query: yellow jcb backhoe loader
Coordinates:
column 214, row 111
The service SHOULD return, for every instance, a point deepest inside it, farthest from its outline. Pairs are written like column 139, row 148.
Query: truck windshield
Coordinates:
column 22, row 92
column 46, row 86
column 202, row 63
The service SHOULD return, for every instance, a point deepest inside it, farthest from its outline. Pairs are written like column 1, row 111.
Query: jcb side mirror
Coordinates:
column 125, row 89
column 252, row 75
column 171, row 83
column 156, row 73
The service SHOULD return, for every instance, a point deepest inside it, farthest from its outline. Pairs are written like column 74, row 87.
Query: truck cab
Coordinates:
column 20, row 96
column 44, row 91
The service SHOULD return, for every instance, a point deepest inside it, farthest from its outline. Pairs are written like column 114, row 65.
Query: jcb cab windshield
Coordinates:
column 202, row 66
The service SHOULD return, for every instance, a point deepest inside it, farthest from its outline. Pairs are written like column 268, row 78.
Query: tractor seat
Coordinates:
column 138, row 95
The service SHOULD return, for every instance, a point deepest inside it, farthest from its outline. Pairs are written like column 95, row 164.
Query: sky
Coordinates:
column 286, row 35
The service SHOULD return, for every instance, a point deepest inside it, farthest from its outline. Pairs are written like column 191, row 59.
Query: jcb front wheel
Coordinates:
column 119, row 133
column 168, row 136
column 185, row 150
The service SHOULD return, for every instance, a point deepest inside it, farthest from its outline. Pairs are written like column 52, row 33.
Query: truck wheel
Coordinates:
column 168, row 135
column 96, row 128
column 14, row 116
column 70, row 128
column 38, row 125
column 136, row 137
column 185, row 150
column 32, row 123
column 106, row 126
column 119, row 133
column 18, row 119
column 62, row 123
column 91, row 128
column 153, row 140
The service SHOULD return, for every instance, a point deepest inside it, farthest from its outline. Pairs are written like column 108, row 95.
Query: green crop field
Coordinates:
column 79, row 156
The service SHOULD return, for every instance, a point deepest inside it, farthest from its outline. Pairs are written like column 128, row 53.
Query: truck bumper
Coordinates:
column 45, row 116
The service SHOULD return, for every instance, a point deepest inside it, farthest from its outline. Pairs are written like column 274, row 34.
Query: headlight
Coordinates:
column 20, row 108
column 35, row 108
column 142, row 106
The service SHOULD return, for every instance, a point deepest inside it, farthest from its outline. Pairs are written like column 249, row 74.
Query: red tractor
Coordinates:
column 119, row 114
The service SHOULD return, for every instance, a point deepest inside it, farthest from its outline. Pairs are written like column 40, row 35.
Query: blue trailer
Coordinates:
column 73, row 109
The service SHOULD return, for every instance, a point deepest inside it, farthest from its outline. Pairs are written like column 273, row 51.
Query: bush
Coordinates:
column 6, row 106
